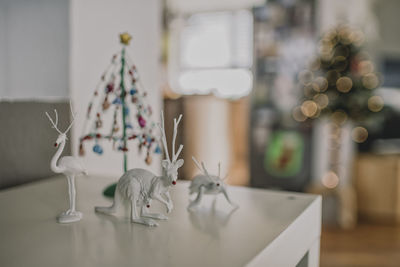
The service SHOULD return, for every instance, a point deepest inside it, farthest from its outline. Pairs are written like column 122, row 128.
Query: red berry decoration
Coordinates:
column 141, row 121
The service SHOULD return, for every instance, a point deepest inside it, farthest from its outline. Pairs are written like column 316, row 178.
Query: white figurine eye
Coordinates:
column 217, row 184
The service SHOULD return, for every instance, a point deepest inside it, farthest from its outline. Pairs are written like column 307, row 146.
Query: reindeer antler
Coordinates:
column 55, row 123
column 52, row 122
column 164, row 138
column 176, row 123
column 202, row 168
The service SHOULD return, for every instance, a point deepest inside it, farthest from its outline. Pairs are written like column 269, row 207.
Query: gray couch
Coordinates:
column 26, row 140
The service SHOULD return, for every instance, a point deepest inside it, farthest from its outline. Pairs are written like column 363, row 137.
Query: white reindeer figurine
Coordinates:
column 70, row 167
column 139, row 186
column 207, row 184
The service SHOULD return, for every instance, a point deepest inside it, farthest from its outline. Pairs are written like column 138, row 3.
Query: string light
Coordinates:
column 322, row 100
column 330, row 180
column 337, row 82
column 309, row 108
column 344, row 84
column 359, row 134
column 370, row 81
column 375, row 103
column 298, row 114
column 365, row 67
column 320, row 84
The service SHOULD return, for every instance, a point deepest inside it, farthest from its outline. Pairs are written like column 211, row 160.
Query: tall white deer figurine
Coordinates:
column 139, row 186
column 207, row 184
column 70, row 167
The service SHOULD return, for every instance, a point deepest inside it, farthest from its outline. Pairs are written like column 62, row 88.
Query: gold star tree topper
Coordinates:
column 125, row 38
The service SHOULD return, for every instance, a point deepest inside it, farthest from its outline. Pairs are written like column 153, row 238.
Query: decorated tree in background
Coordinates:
column 340, row 83
column 120, row 96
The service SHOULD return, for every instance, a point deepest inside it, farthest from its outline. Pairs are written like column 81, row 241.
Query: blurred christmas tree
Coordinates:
column 120, row 95
column 340, row 83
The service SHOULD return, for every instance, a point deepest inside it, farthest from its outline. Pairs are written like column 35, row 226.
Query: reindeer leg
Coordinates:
column 196, row 202
column 73, row 194
column 113, row 208
column 74, row 212
column 136, row 219
column 158, row 216
column 71, row 215
column 228, row 199
column 69, row 195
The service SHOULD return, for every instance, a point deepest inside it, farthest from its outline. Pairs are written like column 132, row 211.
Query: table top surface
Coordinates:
column 213, row 235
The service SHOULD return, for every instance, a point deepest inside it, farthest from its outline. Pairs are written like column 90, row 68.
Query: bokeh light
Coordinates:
column 375, row 103
column 357, row 37
column 309, row 108
column 330, row 179
column 345, row 35
column 344, row 84
column 298, row 114
column 370, row 81
column 320, row 84
column 339, row 117
column 322, row 100
column 359, row 134
column 365, row 67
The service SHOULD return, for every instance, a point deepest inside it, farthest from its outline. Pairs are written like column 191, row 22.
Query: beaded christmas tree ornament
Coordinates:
column 120, row 93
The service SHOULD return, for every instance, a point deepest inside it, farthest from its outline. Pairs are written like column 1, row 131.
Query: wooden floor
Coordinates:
column 367, row 245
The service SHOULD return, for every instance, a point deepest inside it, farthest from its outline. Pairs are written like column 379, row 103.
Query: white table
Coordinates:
column 269, row 229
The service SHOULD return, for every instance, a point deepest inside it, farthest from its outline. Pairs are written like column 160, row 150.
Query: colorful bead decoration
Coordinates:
column 142, row 121
column 131, row 117
column 97, row 149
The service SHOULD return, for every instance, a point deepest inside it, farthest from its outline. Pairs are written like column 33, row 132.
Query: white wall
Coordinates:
column 95, row 26
column 34, row 48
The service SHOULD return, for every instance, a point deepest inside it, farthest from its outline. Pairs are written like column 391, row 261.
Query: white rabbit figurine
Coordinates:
column 140, row 187
column 207, row 184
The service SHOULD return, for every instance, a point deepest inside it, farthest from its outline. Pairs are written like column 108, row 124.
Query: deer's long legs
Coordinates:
column 69, row 195
column 72, row 194
column 136, row 219
column 229, row 200
column 196, row 202
column 158, row 216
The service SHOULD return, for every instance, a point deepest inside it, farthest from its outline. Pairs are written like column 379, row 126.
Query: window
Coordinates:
column 215, row 54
